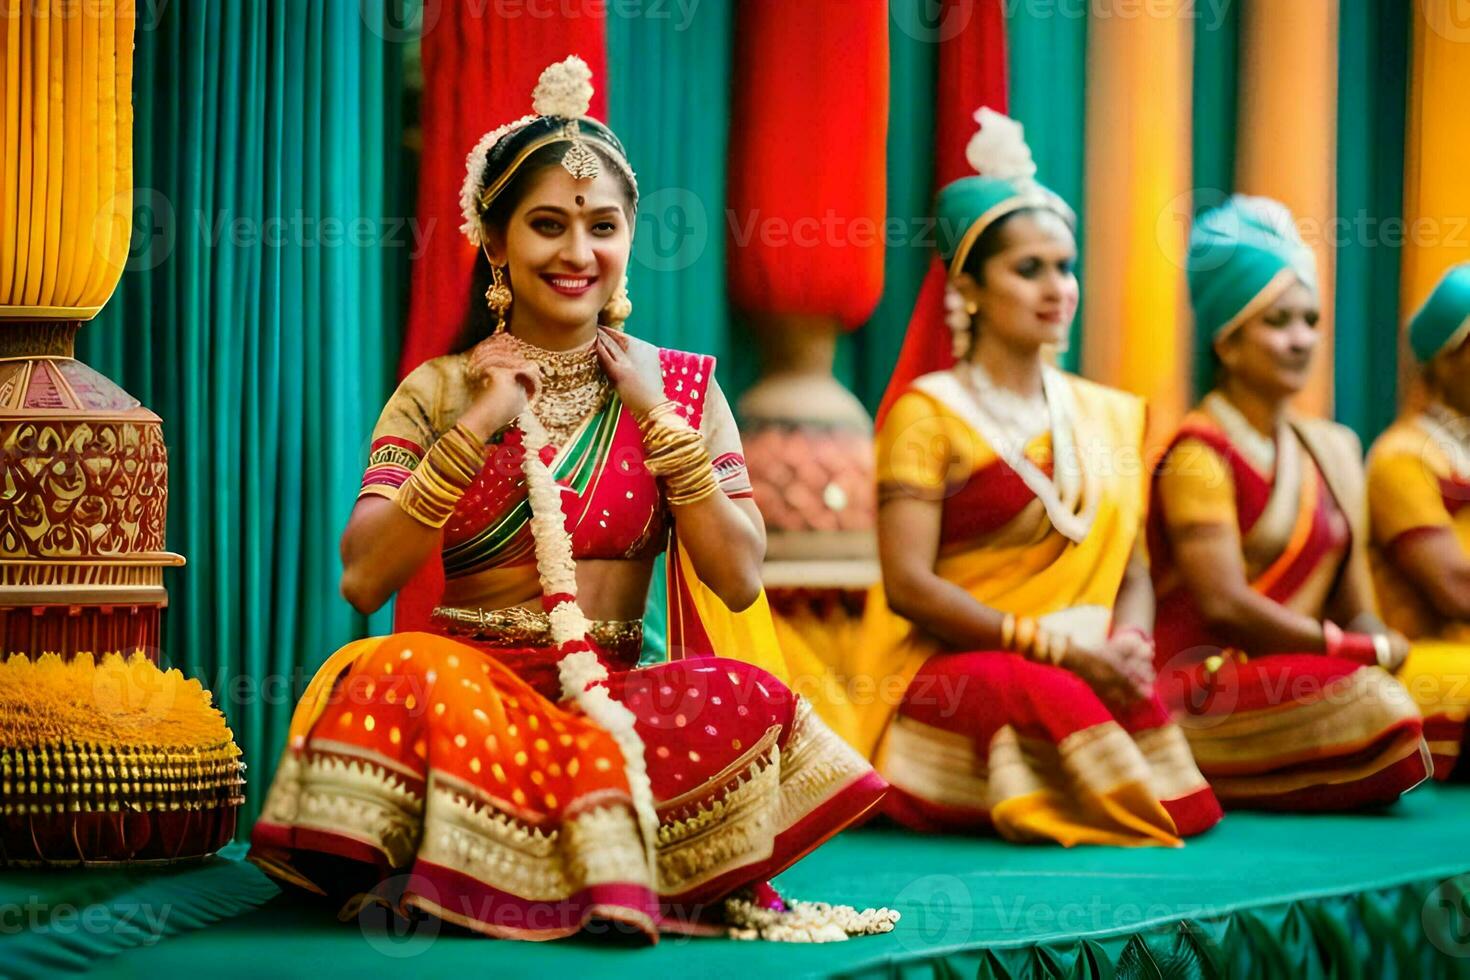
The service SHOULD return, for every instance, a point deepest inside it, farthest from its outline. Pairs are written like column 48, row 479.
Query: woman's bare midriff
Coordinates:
column 609, row 589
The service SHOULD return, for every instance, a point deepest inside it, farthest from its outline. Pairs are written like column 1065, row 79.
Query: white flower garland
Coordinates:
column 474, row 165
column 582, row 674
column 804, row 922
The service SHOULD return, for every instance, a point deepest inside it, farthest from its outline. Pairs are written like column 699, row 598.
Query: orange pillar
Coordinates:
column 1287, row 145
column 1136, row 223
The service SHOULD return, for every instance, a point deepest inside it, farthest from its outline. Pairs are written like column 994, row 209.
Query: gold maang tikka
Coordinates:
column 579, row 160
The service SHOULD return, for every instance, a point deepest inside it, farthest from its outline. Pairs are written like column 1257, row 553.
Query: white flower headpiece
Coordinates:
column 564, row 91
column 999, row 149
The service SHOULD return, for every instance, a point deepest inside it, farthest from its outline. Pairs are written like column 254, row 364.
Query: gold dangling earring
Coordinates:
column 498, row 297
column 619, row 307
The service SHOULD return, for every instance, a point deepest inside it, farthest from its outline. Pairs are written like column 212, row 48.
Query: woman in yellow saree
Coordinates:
column 1004, row 679
column 1258, row 535
column 509, row 769
column 1419, row 503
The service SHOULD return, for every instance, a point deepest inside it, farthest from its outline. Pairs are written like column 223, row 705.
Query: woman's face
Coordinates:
column 1272, row 351
column 567, row 245
column 1028, row 293
column 1451, row 373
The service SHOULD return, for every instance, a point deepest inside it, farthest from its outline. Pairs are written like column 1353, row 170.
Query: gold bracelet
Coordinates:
column 663, row 410
column 1025, row 636
column 1041, row 648
column 1382, row 650
column 434, row 488
column 675, row 451
column 1007, row 631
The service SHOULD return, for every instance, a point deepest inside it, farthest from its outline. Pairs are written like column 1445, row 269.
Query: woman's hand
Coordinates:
column 1120, row 671
column 504, row 383
column 640, row 394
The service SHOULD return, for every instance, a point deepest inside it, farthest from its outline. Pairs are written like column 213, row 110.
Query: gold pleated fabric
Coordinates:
column 1288, row 140
column 1136, row 314
column 66, row 154
column 1436, row 153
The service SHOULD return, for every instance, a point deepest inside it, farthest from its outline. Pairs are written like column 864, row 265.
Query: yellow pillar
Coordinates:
column 1436, row 150
column 66, row 177
column 1136, row 318
column 1287, row 144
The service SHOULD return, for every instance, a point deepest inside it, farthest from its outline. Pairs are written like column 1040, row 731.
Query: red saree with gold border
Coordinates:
column 1419, row 484
column 442, row 771
column 1289, row 731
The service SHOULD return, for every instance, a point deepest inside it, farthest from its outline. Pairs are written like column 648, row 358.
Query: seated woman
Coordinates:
column 1419, row 504
column 1269, row 649
column 511, row 767
column 1013, row 624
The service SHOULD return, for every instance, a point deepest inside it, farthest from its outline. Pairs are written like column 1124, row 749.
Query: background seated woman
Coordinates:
column 1269, row 647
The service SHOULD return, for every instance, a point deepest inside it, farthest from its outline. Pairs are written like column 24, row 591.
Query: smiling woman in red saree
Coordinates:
column 510, row 770
column 1258, row 533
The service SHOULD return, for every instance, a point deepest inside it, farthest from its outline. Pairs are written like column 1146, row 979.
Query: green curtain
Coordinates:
column 1048, row 76
column 1373, row 53
column 669, row 101
column 1215, row 112
column 259, row 316
column 866, row 357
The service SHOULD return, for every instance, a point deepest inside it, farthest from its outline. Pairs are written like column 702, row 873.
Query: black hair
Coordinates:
column 479, row 322
column 992, row 242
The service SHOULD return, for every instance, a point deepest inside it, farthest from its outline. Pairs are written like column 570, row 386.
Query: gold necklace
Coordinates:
column 573, row 386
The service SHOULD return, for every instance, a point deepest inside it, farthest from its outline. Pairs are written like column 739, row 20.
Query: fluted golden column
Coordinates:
column 101, row 759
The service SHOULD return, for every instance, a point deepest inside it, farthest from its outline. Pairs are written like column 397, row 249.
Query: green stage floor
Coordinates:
column 1371, row 895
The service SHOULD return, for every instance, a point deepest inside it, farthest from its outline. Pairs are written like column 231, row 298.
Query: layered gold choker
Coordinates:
column 573, row 387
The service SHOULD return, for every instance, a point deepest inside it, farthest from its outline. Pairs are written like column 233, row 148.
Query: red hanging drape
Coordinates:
column 972, row 73
column 808, row 160
column 479, row 72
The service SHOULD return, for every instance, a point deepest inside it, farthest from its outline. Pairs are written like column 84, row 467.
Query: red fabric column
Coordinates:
column 479, row 71
column 972, row 73
column 808, row 158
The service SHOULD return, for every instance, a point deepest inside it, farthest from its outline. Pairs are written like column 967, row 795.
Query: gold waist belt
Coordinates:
column 517, row 626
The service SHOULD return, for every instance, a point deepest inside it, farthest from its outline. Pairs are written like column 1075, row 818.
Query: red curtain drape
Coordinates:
column 480, row 68
column 808, row 158
column 972, row 73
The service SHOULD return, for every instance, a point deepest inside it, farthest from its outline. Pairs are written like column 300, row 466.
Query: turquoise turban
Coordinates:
column 1242, row 256
column 966, row 207
column 1443, row 322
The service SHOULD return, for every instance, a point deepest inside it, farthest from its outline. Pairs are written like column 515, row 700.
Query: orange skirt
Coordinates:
column 436, row 778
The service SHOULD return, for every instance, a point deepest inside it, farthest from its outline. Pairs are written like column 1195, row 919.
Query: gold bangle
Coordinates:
column 1041, row 648
column 1382, row 650
column 675, row 451
column 1025, row 636
column 435, row 487
column 1007, row 630
column 663, row 410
